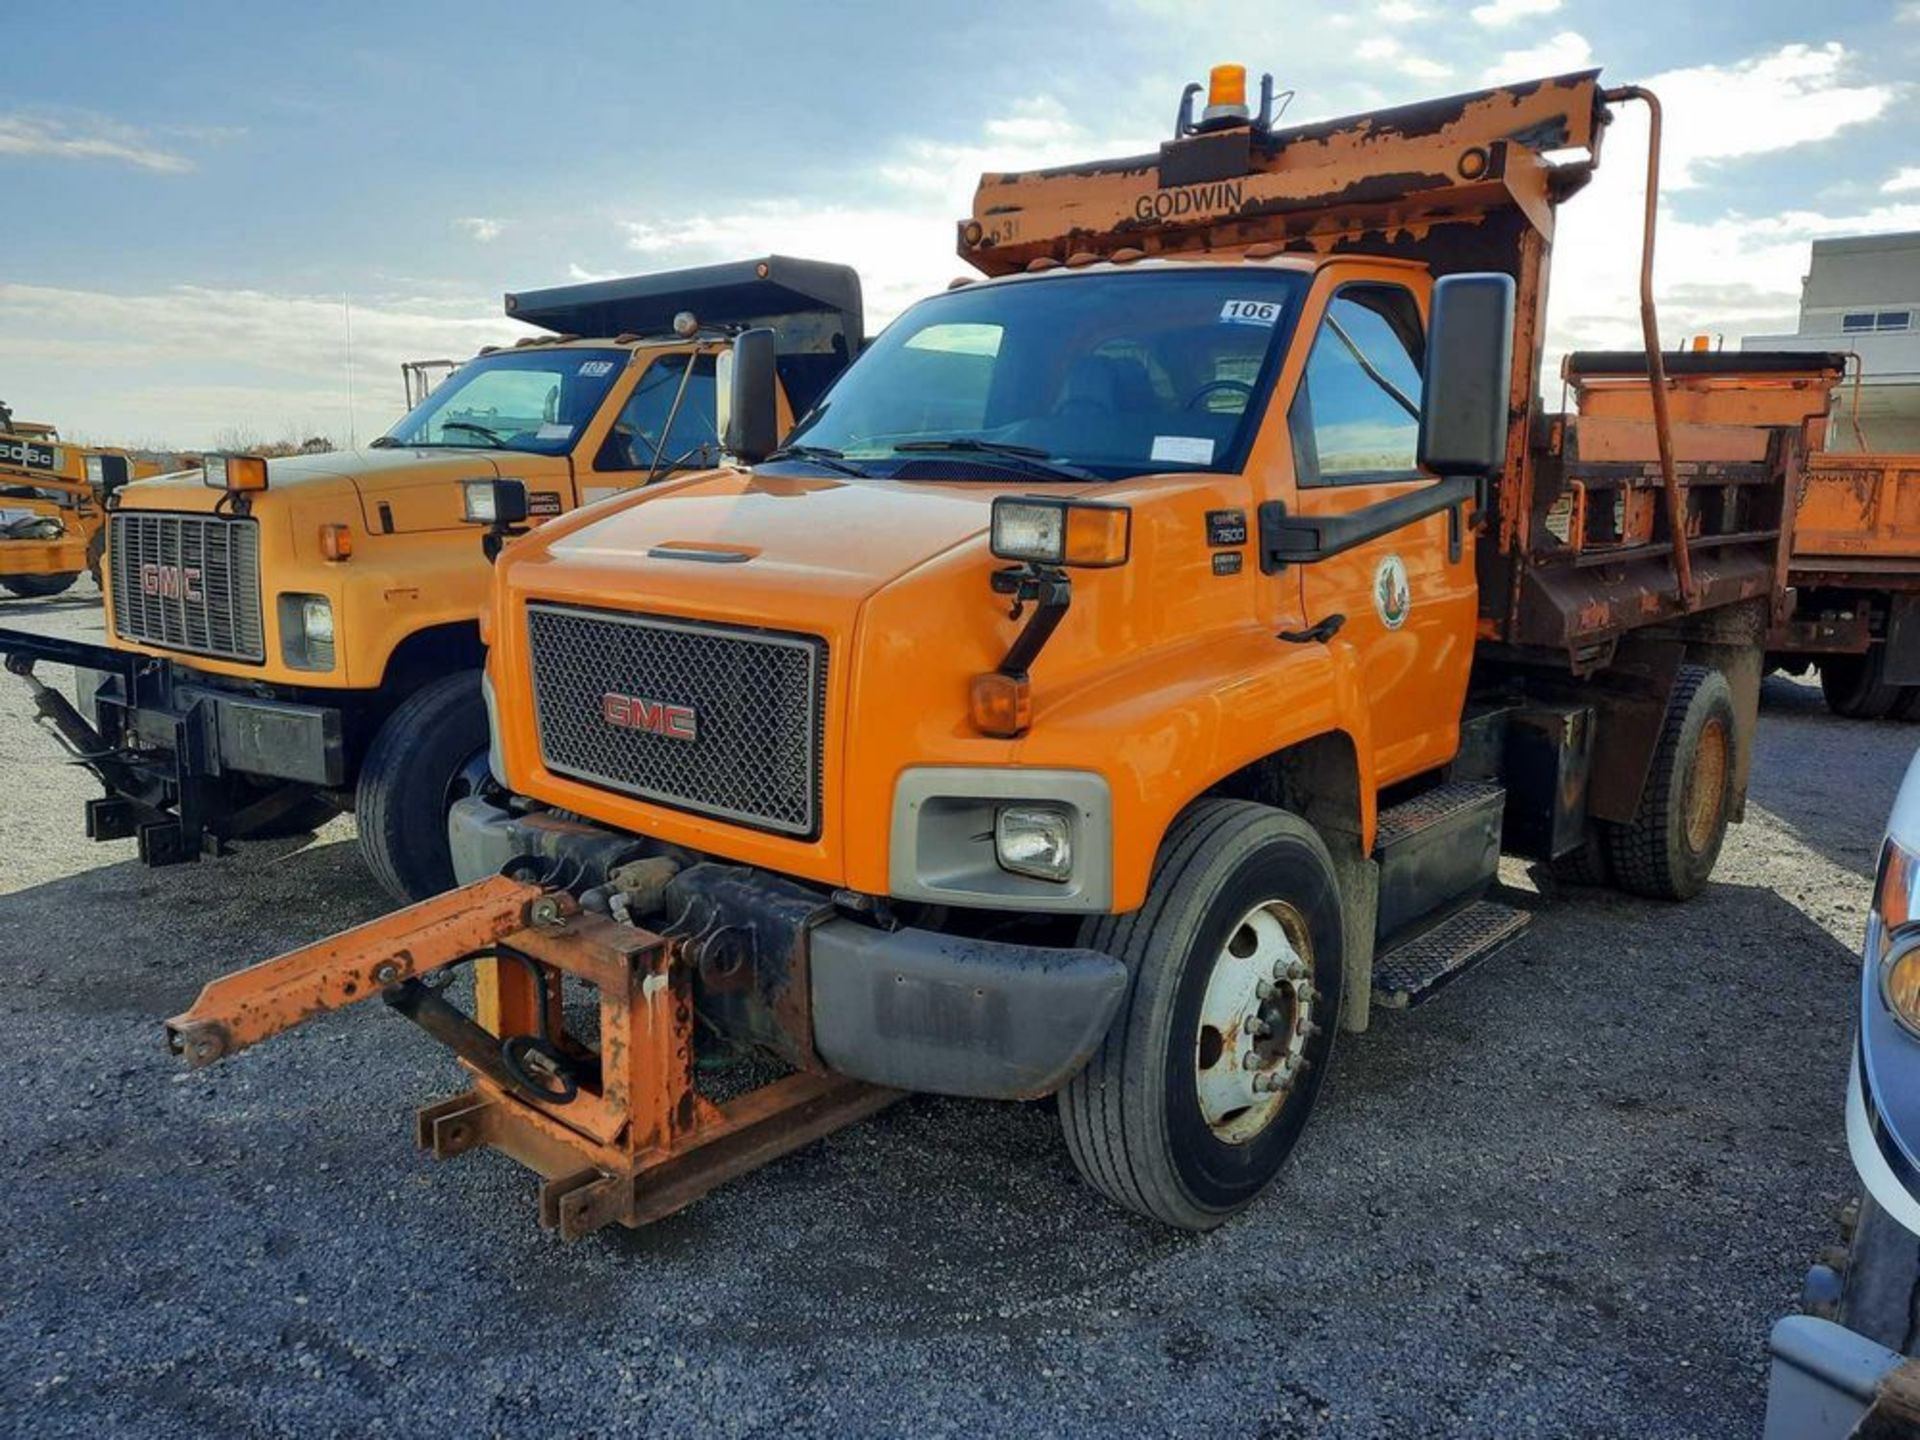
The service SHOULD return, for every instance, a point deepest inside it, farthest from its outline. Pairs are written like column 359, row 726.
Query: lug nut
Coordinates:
column 1250, row 1061
column 1306, row 1028
column 1257, row 1028
column 1266, row 990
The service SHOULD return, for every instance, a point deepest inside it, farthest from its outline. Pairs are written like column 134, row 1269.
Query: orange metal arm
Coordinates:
column 251, row 1005
column 1650, row 329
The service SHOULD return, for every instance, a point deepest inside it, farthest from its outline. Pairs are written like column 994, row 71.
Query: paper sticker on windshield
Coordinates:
column 1250, row 312
column 594, row 369
column 550, row 431
column 1183, row 449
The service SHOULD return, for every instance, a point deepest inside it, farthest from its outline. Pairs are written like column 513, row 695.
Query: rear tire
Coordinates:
column 1853, row 687
column 1185, row 1113
column 39, row 587
column 1669, row 849
column 431, row 751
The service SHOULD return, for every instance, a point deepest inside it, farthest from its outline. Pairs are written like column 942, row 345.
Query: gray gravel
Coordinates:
column 1566, row 1198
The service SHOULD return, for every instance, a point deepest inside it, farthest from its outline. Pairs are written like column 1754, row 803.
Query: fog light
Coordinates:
column 1900, row 983
column 1034, row 840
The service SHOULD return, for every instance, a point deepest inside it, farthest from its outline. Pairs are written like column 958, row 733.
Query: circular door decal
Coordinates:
column 1392, row 595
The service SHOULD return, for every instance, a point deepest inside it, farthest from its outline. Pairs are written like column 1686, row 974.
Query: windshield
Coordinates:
column 536, row 400
column 1107, row 374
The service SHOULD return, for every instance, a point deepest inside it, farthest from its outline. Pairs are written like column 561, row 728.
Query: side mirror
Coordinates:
column 1463, row 401
column 749, row 413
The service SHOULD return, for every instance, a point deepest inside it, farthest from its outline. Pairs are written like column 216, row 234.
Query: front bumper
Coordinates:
column 165, row 747
column 1884, row 1169
column 782, row 966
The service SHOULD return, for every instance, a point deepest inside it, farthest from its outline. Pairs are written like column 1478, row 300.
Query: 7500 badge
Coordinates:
column 28, row 456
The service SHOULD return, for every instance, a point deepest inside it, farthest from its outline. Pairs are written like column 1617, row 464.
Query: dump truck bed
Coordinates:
column 1857, row 522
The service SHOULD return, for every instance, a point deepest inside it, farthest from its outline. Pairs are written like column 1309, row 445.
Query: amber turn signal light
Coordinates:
column 1046, row 531
column 235, row 472
column 1001, row 705
column 336, row 541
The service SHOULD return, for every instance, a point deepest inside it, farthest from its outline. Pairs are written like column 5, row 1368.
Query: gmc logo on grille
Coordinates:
column 630, row 712
column 171, row 582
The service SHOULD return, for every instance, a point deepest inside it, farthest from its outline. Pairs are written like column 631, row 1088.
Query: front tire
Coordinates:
column 39, row 587
column 1669, row 849
column 1188, row 1110
column 431, row 751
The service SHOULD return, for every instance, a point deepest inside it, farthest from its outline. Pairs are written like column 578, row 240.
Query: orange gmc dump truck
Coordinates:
column 1130, row 671
column 294, row 637
column 1851, row 604
column 53, row 498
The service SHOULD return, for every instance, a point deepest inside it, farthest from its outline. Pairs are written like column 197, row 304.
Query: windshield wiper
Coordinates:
column 1029, row 454
column 824, row 455
column 492, row 439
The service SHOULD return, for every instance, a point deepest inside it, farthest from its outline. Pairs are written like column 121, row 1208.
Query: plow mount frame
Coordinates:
column 634, row 1141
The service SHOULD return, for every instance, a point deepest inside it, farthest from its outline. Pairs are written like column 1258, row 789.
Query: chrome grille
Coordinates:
column 187, row 582
column 755, row 698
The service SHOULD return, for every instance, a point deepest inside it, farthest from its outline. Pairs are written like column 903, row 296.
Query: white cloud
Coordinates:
column 1561, row 53
column 1905, row 179
column 1496, row 13
column 480, row 227
column 1730, row 273
column 1400, row 12
column 93, row 138
column 180, row 366
column 1387, row 50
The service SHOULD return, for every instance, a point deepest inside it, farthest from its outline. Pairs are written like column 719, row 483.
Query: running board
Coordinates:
column 1416, row 968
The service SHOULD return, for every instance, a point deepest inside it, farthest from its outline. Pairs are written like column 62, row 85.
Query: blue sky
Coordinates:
column 196, row 193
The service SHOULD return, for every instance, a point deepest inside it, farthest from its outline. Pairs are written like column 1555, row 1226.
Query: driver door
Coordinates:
column 1408, row 596
column 640, row 432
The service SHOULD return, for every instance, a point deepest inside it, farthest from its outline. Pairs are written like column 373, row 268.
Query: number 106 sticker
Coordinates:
column 1250, row 312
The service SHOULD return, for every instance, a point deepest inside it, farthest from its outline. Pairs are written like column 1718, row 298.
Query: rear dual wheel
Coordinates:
column 1206, row 1078
column 1668, row 850
column 1855, row 686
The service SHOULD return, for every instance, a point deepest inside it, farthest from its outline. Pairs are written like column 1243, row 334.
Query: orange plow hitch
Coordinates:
column 611, row 1120
column 259, row 1002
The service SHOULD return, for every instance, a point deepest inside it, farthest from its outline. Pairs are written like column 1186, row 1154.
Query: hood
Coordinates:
column 754, row 535
column 419, row 488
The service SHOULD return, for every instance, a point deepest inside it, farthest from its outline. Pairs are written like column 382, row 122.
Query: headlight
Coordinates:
column 495, row 502
column 1045, row 531
column 1900, row 984
column 306, row 632
column 1034, row 840
column 235, row 472
column 96, row 470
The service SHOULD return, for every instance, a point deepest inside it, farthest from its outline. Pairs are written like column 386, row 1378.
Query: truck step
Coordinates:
column 1443, row 803
column 1417, row 967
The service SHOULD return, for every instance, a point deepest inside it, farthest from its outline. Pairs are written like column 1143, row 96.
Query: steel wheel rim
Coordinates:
column 1706, row 787
column 1256, row 1016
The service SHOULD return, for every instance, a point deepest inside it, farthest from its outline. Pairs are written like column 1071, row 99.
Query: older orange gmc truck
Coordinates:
column 1131, row 670
column 53, row 498
column 290, row 638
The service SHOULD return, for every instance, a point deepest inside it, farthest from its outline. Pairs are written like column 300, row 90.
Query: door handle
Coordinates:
column 1318, row 634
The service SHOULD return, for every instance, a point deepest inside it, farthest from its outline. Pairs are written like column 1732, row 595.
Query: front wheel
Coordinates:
column 430, row 752
column 1882, row 1296
column 39, row 587
column 1205, row 1080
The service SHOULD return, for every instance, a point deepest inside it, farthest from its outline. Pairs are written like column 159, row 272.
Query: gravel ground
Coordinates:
column 1568, row 1197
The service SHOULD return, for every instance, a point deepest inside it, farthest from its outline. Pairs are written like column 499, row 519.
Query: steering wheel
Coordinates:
column 1207, row 389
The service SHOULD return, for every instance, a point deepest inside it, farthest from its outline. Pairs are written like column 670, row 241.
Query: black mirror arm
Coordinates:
column 1302, row 539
